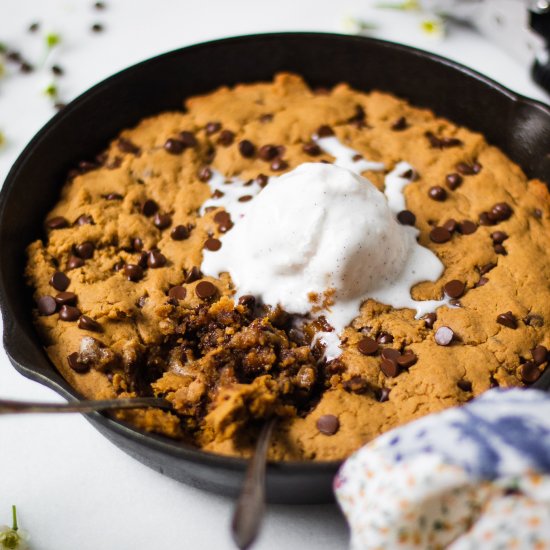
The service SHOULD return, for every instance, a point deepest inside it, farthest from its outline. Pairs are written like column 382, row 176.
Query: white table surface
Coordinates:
column 74, row 489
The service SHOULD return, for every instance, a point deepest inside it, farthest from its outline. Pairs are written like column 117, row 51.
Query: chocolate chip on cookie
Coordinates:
column 367, row 346
column 46, row 305
column 205, row 290
column 328, row 424
column 507, row 319
column 87, row 323
column 440, row 235
column 406, row 217
column 454, row 288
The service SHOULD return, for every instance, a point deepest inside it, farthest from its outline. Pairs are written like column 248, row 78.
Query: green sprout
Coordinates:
column 51, row 90
column 52, row 40
column 12, row 538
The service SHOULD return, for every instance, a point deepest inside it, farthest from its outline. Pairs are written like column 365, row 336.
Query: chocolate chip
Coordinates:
column 66, row 298
column 174, row 146
column 58, row 222
column 367, row 346
column 74, row 262
column 383, row 395
column 484, row 219
column 46, row 305
column 507, row 319
column 84, row 219
column 384, row 338
column 245, row 198
column 453, row 180
column 390, row 353
column 454, row 288
column 450, row 225
column 126, row 146
column 328, row 424
column 268, row 152
column 212, row 244
column 133, row 272
column 97, row 27
column 324, row 131
column 69, row 313
column 467, row 227
column 180, row 233
column 279, row 164
column 410, row 174
column 226, row 138
column 188, row 139
column 87, row 323
column 486, row 268
column 540, row 355
column 464, row 385
column 406, row 217
column 400, row 124
column 262, row 180
column 156, row 259
column 267, row 117
column 500, row 212
column 468, row 169
column 482, row 281
column 205, row 290
column 499, row 249
column 356, row 384
column 534, row 320
column 440, row 235
column 74, row 363
column 212, row 128
column 529, row 372
column 162, row 221
column 437, row 193
column 193, row 275
column 444, row 336
column 537, row 213
column 429, row 319
column 222, row 218
column 389, row 367
column 499, row 237
column 84, row 250
column 407, row 359
column 177, row 293
column 149, row 208
column 248, row 301
column 246, row 148
column 442, row 142
column 60, row 281
column 114, row 197
column 311, row 149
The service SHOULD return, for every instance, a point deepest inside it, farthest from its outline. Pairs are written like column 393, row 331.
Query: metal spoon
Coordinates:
column 9, row 407
column 250, row 507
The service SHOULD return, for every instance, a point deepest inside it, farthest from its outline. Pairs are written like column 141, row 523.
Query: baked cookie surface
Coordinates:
column 123, row 309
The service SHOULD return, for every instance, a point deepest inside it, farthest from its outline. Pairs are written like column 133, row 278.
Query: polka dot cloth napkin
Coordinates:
column 467, row 478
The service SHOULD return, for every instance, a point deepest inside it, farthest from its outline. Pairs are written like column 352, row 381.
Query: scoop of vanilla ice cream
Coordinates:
column 319, row 227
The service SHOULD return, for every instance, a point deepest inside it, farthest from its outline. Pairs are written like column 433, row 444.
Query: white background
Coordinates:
column 75, row 490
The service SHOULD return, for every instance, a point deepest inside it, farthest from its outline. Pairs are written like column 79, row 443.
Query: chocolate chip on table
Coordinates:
column 454, row 288
column 384, row 338
column 84, row 250
column 205, row 290
column 406, row 217
column 444, row 336
column 162, row 221
column 188, row 139
column 400, row 124
column 507, row 319
column 534, row 320
column 126, row 146
column 529, row 372
column 66, row 298
column 262, row 180
column 97, row 27
column 440, row 235
column 464, row 385
column 69, row 313
column 212, row 128
column 149, row 208
column 437, row 193
column 539, row 354
column 407, row 359
column 204, row 174
column 499, row 249
column 46, row 305
column 429, row 319
column 133, row 272
column 74, row 262
column 180, row 233
column 450, row 225
column 60, row 281
column 279, row 164
column 193, row 275
column 453, row 180
column 74, row 362
column 156, row 259
column 389, row 367
column 324, row 131
column 212, row 244
column 58, row 222
column 226, row 138
column 268, row 152
column 367, row 346
column 177, row 292
column 247, row 149
column 468, row 169
column 383, row 395
column 311, row 149
column 87, row 323
column 328, row 424
column 467, row 227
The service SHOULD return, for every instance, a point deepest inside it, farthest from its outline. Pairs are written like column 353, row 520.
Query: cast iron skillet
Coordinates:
column 519, row 126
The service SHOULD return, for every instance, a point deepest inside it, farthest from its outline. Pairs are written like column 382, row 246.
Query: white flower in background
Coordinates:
column 13, row 538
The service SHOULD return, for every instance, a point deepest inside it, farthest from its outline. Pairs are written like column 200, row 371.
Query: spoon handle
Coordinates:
column 250, row 507
column 9, row 407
